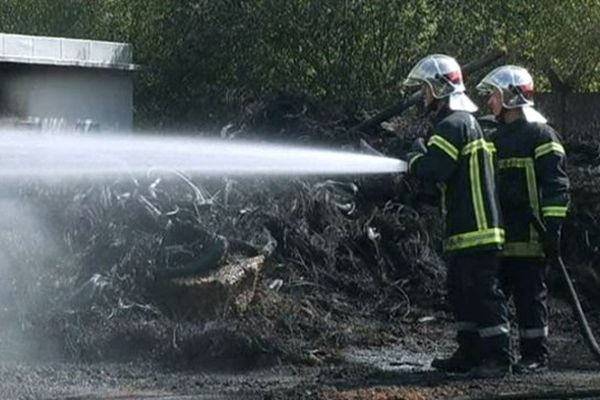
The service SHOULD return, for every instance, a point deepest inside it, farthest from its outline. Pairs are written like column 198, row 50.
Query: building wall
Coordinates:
column 51, row 97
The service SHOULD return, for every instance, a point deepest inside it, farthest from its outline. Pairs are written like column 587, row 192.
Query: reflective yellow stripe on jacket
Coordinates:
column 476, row 238
column 476, row 189
column 533, row 248
column 444, row 145
column 483, row 235
column 549, row 147
column 522, row 249
column 554, row 211
column 413, row 159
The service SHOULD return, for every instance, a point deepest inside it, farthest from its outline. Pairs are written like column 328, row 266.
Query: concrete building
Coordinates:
column 54, row 83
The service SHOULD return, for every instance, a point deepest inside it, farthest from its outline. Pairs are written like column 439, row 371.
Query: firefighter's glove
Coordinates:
column 552, row 239
column 418, row 148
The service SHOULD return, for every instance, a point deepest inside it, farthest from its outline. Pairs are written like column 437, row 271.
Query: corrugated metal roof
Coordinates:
column 65, row 52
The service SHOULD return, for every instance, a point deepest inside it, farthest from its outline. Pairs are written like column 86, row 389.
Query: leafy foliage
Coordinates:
column 206, row 58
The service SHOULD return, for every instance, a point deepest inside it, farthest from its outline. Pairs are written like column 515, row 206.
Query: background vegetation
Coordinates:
column 207, row 58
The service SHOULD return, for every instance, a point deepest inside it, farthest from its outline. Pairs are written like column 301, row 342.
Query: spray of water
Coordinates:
column 25, row 247
column 71, row 155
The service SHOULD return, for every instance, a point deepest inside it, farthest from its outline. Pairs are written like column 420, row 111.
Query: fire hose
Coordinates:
column 584, row 326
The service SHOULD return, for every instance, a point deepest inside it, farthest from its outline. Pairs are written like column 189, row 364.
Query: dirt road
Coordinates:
column 397, row 372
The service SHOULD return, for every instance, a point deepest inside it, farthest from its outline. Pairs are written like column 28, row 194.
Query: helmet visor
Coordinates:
column 485, row 88
column 515, row 84
column 442, row 73
column 420, row 73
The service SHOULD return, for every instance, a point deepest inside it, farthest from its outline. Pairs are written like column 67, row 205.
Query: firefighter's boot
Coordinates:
column 465, row 358
column 531, row 365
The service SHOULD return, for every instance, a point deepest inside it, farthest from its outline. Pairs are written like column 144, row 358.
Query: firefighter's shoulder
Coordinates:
column 545, row 133
column 489, row 125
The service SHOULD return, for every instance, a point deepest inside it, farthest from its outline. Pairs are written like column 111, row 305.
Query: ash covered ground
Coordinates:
column 347, row 302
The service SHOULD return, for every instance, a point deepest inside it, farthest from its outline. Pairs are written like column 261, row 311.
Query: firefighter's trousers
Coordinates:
column 479, row 305
column 524, row 279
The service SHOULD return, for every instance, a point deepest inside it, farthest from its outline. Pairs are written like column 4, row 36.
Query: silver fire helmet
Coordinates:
column 515, row 84
column 444, row 76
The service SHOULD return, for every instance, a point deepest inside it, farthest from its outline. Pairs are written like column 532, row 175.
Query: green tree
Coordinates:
column 205, row 58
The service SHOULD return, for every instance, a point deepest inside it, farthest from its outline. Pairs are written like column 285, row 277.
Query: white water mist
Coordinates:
column 71, row 155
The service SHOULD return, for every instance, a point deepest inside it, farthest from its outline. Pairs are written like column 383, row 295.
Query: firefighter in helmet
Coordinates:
column 461, row 161
column 533, row 184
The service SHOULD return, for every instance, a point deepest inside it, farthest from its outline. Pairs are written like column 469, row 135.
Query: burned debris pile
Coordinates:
column 237, row 272
column 581, row 236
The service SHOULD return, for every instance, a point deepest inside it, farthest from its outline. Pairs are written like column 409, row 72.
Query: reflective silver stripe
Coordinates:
column 502, row 329
column 466, row 326
column 533, row 333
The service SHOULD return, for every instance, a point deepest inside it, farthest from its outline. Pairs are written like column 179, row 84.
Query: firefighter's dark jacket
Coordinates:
column 462, row 162
column 532, row 179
